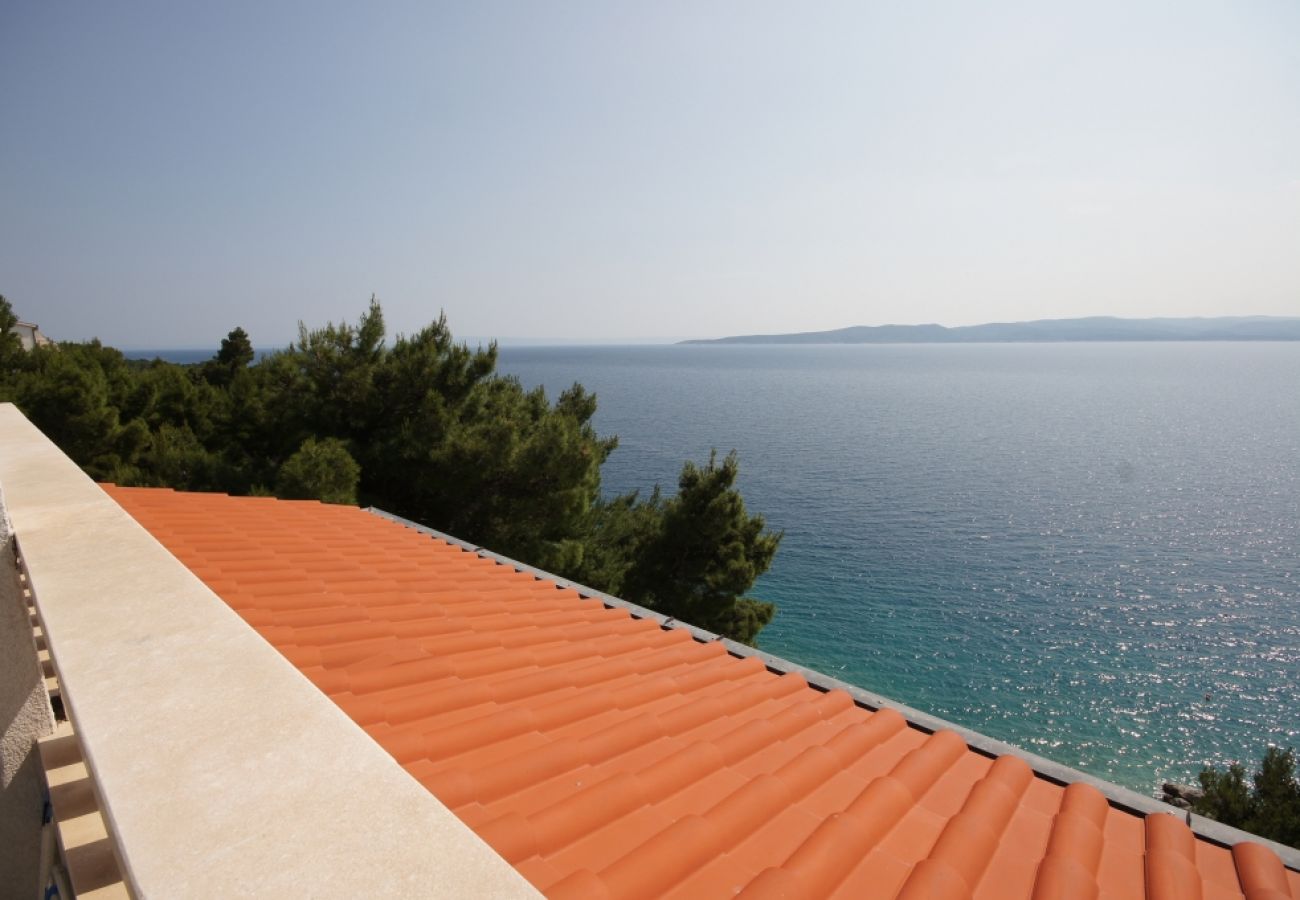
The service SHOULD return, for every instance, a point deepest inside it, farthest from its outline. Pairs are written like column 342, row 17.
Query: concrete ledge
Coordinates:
column 221, row 770
column 1119, row 797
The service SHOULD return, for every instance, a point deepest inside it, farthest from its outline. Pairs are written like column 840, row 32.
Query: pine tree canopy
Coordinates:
column 421, row 426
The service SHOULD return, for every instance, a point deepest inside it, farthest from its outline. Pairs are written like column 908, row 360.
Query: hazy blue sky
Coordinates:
column 637, row 171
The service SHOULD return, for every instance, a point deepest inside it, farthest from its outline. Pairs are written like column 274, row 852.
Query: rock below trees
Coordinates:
column 1180, row 795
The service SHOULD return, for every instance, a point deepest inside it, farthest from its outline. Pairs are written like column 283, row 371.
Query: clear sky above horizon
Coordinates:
column 596, row 171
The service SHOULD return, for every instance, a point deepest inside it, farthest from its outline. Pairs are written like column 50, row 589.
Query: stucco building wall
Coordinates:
column 25, row 715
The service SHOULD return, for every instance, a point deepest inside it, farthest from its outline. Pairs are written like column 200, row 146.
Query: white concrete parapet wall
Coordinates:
column 222, row 771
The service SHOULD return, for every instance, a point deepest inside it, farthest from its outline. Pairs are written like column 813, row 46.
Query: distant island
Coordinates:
column 1095, row 328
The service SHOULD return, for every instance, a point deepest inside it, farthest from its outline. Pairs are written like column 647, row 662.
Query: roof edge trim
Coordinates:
column 1119, row 797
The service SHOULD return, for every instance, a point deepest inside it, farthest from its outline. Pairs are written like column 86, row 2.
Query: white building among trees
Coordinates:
column 30, row 335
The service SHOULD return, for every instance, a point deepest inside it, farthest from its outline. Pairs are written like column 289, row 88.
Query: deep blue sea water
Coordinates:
column 1088, row 550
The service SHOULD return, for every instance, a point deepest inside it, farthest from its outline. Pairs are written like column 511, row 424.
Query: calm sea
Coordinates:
column 1088, row 550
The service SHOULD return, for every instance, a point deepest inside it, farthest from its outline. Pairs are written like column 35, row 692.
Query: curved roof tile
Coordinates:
column 606, row 756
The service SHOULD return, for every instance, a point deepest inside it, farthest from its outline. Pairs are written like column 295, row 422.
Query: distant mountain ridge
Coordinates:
column 1095, row 328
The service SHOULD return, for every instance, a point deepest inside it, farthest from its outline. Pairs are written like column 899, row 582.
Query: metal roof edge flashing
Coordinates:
column 609, row 600
column 1119, row 797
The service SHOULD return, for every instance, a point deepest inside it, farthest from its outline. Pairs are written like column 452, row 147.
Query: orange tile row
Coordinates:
column 605, row 756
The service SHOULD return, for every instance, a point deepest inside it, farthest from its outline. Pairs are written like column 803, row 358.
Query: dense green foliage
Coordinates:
column 1269, row 807
column 423, row 427
column 10, row 346
column 319, row 470
column 703, row 549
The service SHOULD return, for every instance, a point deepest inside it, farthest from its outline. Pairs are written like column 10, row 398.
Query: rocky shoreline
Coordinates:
column 1182, row 796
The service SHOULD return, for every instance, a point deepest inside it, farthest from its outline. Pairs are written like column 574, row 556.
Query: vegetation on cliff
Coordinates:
column 421, row 426
column 1269, row 806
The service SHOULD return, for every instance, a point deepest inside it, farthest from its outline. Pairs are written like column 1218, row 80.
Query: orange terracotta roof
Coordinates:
column 606, row 756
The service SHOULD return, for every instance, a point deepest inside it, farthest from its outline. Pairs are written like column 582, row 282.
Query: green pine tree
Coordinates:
column 1269, row 807
column 704, row 553
column 423, row 427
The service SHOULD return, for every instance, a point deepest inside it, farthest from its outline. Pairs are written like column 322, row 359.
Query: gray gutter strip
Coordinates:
column 1119, row 797
column 609, row 600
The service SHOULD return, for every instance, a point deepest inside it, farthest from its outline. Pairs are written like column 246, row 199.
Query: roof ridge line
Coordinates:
column 1117, row 796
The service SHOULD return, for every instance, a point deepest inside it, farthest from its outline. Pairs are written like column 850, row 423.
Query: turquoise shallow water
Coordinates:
column 1089, row 550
